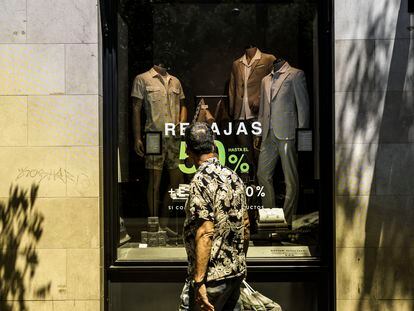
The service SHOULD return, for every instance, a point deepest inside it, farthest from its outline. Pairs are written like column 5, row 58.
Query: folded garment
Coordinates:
column 271, row 215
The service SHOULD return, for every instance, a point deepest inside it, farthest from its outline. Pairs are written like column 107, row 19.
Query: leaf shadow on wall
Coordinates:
column 374, row 167
column 21, row 228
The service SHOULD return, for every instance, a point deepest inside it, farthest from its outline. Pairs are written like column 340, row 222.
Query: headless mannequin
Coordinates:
column 277, row 64
column 154, row 181
column 161, row 69
column 250, row 52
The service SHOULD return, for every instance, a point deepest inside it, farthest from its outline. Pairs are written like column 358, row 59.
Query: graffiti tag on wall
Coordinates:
column 55, row 175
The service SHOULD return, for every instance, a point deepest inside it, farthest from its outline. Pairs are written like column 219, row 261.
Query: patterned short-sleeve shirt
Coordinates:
column 217, row 194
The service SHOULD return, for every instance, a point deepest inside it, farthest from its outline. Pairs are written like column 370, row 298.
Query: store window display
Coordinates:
column 237, row 65
column 244, row 90
column 162, row 97
column 284, row 107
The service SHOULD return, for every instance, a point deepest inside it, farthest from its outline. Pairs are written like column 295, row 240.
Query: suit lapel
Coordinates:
column 268, row 84
column 279, row 82
column 240, row 67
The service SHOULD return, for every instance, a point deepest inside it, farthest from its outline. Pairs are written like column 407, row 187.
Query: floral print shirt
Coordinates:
column 217, row 194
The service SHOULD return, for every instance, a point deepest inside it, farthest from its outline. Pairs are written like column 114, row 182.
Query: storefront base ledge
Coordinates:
column 178, row 254
column 256, row 273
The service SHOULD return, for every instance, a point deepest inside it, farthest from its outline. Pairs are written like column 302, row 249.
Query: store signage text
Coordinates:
column 171, row 129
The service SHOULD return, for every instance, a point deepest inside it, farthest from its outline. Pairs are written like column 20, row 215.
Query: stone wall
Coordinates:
column 374, row 98
column 49, row 137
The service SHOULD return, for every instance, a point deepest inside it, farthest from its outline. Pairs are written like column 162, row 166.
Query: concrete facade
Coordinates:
column 49, row 136
column 374, row 71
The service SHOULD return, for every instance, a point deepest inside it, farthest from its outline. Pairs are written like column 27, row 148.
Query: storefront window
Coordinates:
column 249, row 70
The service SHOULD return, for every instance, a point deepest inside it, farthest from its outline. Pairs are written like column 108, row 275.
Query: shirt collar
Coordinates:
column 256, row 56
column 207, row 162
column 282, row 69
column 154, row 73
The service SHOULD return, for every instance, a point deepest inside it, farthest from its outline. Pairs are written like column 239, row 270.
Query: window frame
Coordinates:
column 313, row 269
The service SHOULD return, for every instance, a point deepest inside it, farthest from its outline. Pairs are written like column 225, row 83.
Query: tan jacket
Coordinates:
column 260, row 68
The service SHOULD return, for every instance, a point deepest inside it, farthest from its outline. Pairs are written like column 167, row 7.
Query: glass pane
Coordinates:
column 185, row 62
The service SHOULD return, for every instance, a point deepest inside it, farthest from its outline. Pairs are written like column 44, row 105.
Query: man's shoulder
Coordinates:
column 198, row 176
column 201, row 175
column 234, row 177
column 237, row 179
column 210, row 171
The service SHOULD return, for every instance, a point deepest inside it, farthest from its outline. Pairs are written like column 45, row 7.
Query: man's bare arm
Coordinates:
column 203, row 242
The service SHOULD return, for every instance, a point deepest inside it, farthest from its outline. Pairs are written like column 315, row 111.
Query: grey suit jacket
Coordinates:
column 290, row 102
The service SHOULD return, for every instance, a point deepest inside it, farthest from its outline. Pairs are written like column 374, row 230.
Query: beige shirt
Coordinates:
column 246, row 113
column 161, row 99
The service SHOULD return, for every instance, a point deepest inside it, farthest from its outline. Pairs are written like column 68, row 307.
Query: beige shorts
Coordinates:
column 169, row 157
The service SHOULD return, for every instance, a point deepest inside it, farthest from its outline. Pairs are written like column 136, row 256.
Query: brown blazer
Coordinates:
column 260, row 68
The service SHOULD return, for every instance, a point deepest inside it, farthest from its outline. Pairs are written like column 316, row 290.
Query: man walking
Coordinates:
column 216, row 229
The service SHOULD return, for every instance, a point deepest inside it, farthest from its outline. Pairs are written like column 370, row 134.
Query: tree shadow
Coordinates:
column 21, row 228
column 374, row 129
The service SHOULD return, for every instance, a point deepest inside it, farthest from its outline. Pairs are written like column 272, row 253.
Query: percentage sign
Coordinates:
column 261, row 193
column 244, row 167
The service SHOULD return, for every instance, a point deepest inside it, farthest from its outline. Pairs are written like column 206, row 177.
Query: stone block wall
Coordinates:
column 50, row 138
column 374, row 98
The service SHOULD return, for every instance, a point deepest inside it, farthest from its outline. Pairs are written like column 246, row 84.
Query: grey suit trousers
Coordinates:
column 271, row 150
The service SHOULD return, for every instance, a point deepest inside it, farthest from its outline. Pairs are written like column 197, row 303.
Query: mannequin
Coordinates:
column 244, row 87
column 160, row 68
column 157, row 90
column 250, row 51
column 284, row 107
column 278, row 63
